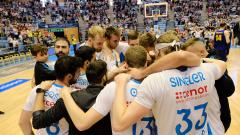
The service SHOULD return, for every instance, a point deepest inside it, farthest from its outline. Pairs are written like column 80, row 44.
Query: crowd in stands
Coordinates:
column 125, row 13
column 186, row 11
column 95, row 12
column 227, row 10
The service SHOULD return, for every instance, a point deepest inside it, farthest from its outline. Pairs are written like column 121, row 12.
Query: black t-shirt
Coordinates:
column 84, row 99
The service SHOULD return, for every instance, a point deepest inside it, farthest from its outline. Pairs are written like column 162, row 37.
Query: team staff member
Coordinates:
column 96, row 75
column 67, row 71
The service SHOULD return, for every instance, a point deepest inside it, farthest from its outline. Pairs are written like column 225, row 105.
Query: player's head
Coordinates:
column 112, row 36
column 67, row 69
column 136, row 57
column 62, row 47
column 148, row 40
column 96, row 72
column 96, row 37
column 166, row 44
column 87, row 54
column 133, row 37
column 195, row 45
column 222, row 25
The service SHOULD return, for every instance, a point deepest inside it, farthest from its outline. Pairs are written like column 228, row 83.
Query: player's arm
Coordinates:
column 124, row 116
column 44, row 86
column 222, row 66
column 26, row 114
column 25, row 122
column 81, row 120
column 227, row 35
column 42, row 119
column 232, row 39
column 112, row 73
column 172, row 60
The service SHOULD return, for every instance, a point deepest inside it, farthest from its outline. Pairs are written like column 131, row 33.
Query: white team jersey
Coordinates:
column 82, row 82
column 122, row 48
column 51, row 64
column 183, row 102
column 112, row 63
column 50, row 98
column 104, row 103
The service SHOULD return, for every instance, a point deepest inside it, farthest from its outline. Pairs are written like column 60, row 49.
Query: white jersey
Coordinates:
column 51, row 64
column 121, row 49
column 183, row 102
column 104, row 103
column 112, row 62
column 82, row 82
column 50, row 98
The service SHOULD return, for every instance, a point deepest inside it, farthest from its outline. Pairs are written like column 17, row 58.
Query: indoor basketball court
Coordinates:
column 154, row 18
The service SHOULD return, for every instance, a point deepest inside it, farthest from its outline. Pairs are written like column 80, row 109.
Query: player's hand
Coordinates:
column 46, row 85
column 136, row 73
column 122, row 78
column 65, row 90
column 122, row 69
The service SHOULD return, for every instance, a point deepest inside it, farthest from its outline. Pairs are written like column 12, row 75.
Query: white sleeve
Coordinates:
column 105, row 99
column 145, row 96
column 122, row 47
column 214, row 69
column 28, row 106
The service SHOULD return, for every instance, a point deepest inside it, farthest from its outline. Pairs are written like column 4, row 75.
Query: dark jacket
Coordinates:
column 236, row 30
column 225, row 88
column 84, row 99
column 43, row 73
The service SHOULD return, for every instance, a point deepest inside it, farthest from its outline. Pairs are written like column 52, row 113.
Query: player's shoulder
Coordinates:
column 110, row 85
column 34, row 89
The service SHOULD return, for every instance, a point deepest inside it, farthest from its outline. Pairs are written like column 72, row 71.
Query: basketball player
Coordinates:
column 96, row 74
column 88, row 55
column 224, row 86
column 135, row 57
column 221, row 41
column 67, row 71
column 180, row 100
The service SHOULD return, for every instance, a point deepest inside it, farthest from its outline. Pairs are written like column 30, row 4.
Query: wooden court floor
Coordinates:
column 11, row 101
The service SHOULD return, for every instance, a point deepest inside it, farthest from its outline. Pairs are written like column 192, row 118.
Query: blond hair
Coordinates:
column 96, row 30
column 136, row 56
column 190, row 42
column 167, row 37
column 147, row 40
column 132, row 35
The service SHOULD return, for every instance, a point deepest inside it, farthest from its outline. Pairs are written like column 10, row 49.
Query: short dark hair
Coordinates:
column 38, row 48
column 85, row 52
column 222, row 24
column 95, row 71
column 111, row 31
column 67, row 65
column 63, row 39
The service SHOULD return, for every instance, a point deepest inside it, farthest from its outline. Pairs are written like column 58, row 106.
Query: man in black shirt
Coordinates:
column 96, row 73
